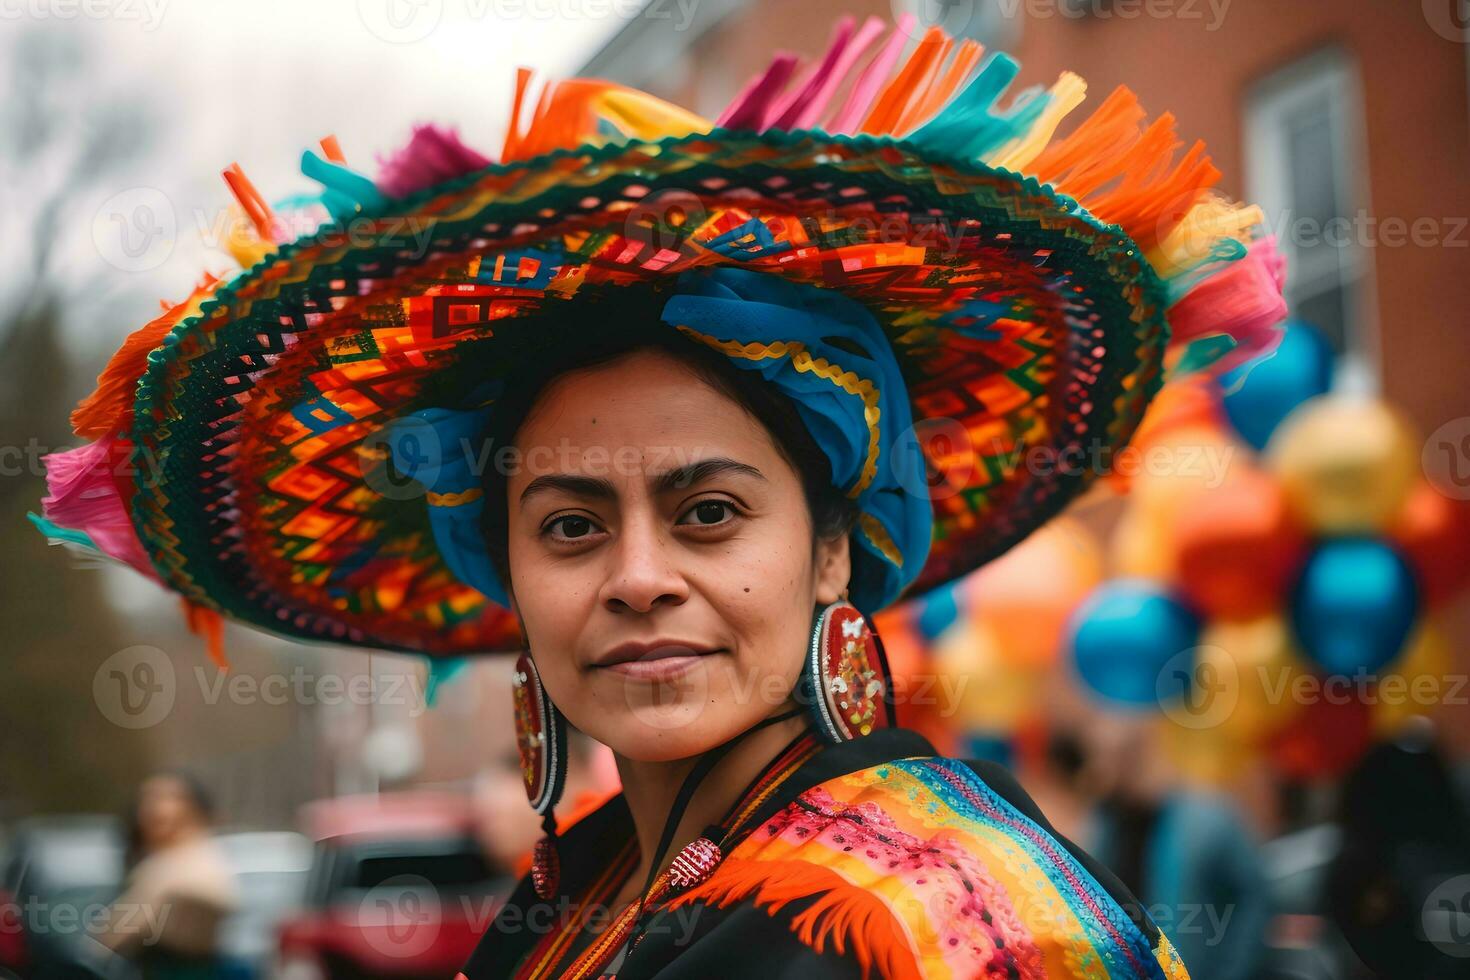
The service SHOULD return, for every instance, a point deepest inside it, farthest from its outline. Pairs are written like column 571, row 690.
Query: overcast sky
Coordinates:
column 258, row 81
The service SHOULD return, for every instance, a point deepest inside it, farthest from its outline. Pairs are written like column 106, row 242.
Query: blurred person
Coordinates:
column 179, row 886
column 1186, row 854
column 1399, row 888
column 707, row 360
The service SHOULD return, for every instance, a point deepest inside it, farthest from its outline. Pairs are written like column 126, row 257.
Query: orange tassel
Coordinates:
column 332, row 150
column 251, row 201
column 846, row 915
column 960, row 69
column 109, row 408
column 207, row 623
column 908, row 84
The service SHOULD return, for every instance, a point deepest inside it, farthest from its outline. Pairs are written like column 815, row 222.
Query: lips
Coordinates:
column 631, row 653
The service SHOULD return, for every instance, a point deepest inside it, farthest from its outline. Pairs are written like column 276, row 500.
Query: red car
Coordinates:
column 398, row 888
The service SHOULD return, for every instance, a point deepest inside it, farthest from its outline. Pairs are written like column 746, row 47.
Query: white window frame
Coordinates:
column 1330, row 75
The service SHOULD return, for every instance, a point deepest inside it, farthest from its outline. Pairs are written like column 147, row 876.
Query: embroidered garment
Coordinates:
column 873, row 858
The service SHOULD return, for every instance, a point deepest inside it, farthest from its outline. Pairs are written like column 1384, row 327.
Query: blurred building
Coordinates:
column 1347, row 121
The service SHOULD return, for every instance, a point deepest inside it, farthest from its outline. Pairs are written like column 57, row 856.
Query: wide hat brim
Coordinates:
column 1023, row 324
column 242, row 435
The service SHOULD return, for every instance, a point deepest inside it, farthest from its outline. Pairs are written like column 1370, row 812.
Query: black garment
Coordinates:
column 699, row 942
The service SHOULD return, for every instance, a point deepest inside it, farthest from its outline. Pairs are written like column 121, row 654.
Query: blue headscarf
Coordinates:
column 849, row 394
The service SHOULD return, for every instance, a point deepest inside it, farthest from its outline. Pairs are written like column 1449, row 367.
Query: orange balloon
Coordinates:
column 1433, row 533
column 1140, row 545
column 983, row 691
column 1189, row 403
column 1026, row 595
column 1238, row 547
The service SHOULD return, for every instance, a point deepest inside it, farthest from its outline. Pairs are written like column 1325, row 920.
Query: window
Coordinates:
column 1305, row 165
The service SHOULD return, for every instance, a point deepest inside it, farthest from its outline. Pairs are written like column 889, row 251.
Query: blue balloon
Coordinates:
column 1354, row 605
column 1125, row 640
column 939, row 611
column 1299, row 368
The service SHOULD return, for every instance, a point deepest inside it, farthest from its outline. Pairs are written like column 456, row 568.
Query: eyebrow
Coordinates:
column 681, row 477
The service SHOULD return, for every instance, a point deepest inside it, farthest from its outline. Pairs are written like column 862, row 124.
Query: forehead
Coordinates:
column 647, row 402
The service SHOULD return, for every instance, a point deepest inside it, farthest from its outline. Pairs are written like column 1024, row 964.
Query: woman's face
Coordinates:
column 166, row 812
column 665, row 616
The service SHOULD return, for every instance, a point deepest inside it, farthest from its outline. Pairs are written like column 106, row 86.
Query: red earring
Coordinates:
column 845, row 677
column 541, row 740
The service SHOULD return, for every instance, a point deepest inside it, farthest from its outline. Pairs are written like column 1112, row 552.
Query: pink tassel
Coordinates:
column 813, row 108
column 83, row 496
column 1243, row 300
column 433, row 155
column 750, row 107
column 873, row 78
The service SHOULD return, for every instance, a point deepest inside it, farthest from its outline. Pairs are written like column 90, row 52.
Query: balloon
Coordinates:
column 1260, row 394
column 1238, row 546
column 1026, row 594
column 1417, row 684
column 1245, row 676
column 1347, row 464
column 1354, row 605
column 1433, row 532
column 938, row 611
column 1323, row 741
column 1140, row 546
column 985, row 693
column 1125, row 636
column 1188, row 403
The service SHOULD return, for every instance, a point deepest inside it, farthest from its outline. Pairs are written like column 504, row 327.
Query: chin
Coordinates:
column 668, row 732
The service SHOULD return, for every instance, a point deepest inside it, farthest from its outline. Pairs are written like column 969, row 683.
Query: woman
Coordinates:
column 180, row 886
column 671, row 406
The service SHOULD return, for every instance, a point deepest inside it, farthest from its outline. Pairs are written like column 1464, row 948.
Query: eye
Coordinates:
column 575, row 527
column 709, row 513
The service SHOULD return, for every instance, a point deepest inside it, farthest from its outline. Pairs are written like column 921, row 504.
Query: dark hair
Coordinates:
column 605, row 326
column 197, row 793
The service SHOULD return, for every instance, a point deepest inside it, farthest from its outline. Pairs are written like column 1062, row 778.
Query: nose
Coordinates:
column 643, row 572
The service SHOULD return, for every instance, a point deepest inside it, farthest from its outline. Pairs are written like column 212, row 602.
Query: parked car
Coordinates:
column 399, row 888
column 59, row 873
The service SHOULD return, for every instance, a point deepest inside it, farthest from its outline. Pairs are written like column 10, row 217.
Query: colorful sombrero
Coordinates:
column 1033, row 289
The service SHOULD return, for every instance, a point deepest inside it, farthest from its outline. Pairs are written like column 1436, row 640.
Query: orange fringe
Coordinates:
column 965, row 60
column 908, row 85
column 207, row 623
column 848, row 916
column 109, row 408
column 1127, row 175
column 251, row 201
